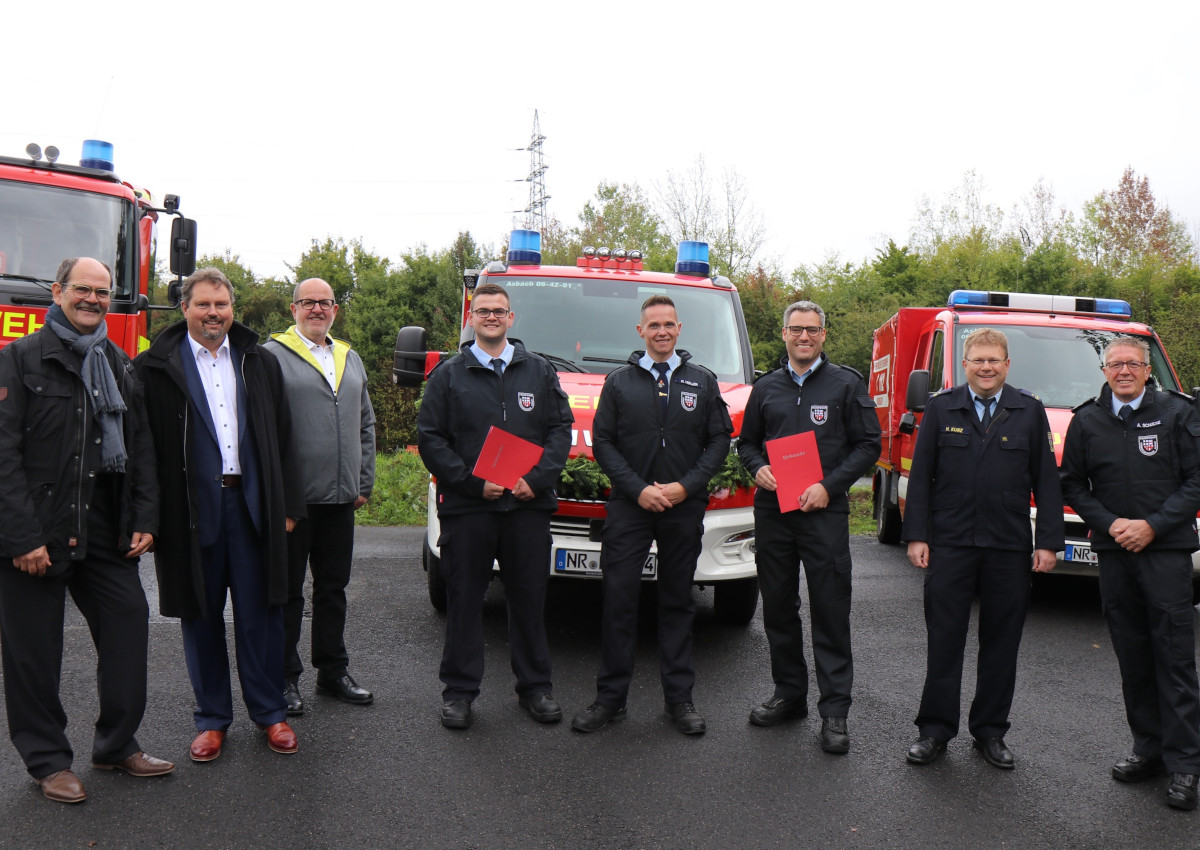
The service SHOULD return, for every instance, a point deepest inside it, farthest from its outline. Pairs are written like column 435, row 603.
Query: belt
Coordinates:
column 231, row 481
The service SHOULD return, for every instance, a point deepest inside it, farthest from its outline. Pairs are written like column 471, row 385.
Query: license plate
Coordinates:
column 1079, row 554
column 587, row 563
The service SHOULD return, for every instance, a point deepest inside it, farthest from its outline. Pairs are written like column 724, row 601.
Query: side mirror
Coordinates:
column 908, row 423
column 918, row 390
column 408, row 365
column 174, row 292
column 183, row 247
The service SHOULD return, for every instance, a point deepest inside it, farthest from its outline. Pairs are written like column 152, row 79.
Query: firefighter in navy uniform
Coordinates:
column 1131, row 470
column 983, row 448
column 494, row 381
column 808, row 393
column 661, row 433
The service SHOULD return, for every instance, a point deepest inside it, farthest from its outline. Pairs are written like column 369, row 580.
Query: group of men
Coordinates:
column 263, row 453
column 239, row 464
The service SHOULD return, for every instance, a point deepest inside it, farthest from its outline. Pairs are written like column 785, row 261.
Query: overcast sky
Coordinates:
column 404, row 123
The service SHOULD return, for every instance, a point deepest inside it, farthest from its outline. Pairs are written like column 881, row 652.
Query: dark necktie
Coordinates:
column 988, row 404
column 1126, row 413
column 498, row 366
column 663, row 392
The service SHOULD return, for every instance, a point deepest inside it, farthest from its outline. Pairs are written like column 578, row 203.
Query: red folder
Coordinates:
column 505, row 458
column 796, row 467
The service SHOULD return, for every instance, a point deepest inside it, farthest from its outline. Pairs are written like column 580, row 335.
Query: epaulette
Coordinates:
column 694, row 365
column 1189, row 399
column 849, row 369
column 758, row 378
column 1082, row 405
column 1028, row 394
column 944, row 390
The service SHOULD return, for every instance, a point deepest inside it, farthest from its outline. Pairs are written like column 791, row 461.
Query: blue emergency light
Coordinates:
column 97, row 154
column 968, row 298
column 692, row 259
column 1114, row 306
column 525, row 248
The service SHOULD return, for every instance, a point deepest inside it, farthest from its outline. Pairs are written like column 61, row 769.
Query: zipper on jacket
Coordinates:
column 79, row 457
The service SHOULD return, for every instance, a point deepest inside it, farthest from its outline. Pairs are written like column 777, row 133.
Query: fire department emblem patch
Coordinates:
column 526, row 401
column 1148, row 444
column 688, row 400
column 818, row 413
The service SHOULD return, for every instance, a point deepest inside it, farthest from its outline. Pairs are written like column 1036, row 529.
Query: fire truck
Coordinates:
column 1055, row 345
column 50, row 211
column 582, row 319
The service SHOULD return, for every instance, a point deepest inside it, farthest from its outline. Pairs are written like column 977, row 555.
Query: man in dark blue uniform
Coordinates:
column 982, row 449
column 808, row 394
column 494, row 381
column 1131, row 470
column 661, row 433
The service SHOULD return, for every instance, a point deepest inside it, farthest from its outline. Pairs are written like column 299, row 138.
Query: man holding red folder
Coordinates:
column 494, row 381
column 808, row 394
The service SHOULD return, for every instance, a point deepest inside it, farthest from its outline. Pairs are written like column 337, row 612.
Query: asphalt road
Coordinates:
column 388, row 775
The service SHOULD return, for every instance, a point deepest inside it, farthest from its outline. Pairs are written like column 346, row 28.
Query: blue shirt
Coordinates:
column 485, row 359
column 647, row 363
column 800, row 379
column 980, row 403
column 1117, row 404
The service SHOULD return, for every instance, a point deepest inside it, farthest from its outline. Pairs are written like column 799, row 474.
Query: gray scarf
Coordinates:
column 100, row 384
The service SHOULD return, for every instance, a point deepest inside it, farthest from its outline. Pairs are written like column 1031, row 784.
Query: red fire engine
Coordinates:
column 50, row 211
column 582, row 319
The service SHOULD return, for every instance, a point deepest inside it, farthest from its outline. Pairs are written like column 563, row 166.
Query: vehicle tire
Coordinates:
column 887, row 518
column 735, row 601
column 434, row 577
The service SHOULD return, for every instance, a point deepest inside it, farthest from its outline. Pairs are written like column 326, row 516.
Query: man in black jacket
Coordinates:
column 80, row 505
column 661, row 433
column 494, row 381
column 229, row 496
column 808, row 394
column 982, row 449
column 1131, row 470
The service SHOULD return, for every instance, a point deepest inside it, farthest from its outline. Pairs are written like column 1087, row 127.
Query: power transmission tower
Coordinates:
column 535, row 213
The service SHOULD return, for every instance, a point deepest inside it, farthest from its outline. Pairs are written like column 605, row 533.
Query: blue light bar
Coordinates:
column 967, row 298
column 1114, row 307
column 525, row 247
column 692, row 259
column 97, row 154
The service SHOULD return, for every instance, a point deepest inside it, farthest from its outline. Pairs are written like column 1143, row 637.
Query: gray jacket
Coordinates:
column 334, row 434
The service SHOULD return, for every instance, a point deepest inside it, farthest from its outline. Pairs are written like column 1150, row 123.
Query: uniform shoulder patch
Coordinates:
column 1188, row 398
column 1079, row 407
column 1028, row 394
column 850, row 369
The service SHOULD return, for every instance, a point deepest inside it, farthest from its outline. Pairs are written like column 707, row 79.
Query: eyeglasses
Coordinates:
column 796, row 330
column 309, row 303
column 985, row 361
column 484, row 312
column 82, row 292
column 1131, row 365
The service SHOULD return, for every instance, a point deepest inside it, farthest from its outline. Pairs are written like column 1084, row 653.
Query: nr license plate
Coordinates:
column 1079, row 554
column 587, row 563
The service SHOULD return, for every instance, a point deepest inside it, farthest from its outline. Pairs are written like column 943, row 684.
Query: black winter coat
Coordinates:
column 177, row 552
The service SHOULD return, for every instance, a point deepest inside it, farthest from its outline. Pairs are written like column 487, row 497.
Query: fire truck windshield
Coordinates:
column 41, row 225
column 1060, row 365
column 591, row 325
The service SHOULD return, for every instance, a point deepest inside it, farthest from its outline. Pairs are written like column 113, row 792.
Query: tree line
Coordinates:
column 1122, row 244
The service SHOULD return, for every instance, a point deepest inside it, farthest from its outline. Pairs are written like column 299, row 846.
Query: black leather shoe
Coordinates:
column 1182, row 792
column 777, row 709
column 291, row 695
column 996, row 753
column 687, row 720
column 345, row 689
column 456, row 714
column 542, row 708
column 1136, row 768
column 834, row 738
column 596, row 716
column 925, row 750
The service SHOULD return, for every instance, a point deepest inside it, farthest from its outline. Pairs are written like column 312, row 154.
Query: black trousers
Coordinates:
column 1147, row 599
column 324, row 543
column 1003, row 578
column 628, row 533
column 108, row 592
column 520, row 541
column 821, row 541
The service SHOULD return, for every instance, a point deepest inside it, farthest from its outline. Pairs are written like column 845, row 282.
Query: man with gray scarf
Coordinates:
column 80, row 506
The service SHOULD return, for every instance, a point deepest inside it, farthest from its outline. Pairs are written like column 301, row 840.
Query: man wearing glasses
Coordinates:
column 494, row 381
column 808, row 393
column 80, row 505
column 333, row 432
column 983, row 448
column 1131, row 470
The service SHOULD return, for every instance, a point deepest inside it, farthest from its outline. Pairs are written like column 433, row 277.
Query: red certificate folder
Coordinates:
column 796, row 466
column 505, row 458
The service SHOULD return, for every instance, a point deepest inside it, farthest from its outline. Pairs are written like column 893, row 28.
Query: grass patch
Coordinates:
column 400, row 494
column 862, row 509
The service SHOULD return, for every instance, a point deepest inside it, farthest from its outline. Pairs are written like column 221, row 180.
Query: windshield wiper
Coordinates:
column 604, row 360
column 569, row 365
column 45, row 284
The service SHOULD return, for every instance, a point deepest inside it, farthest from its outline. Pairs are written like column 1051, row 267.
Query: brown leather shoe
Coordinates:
column 281, row 738
column 140, row 764
column 207, row 745
column 63, row 787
